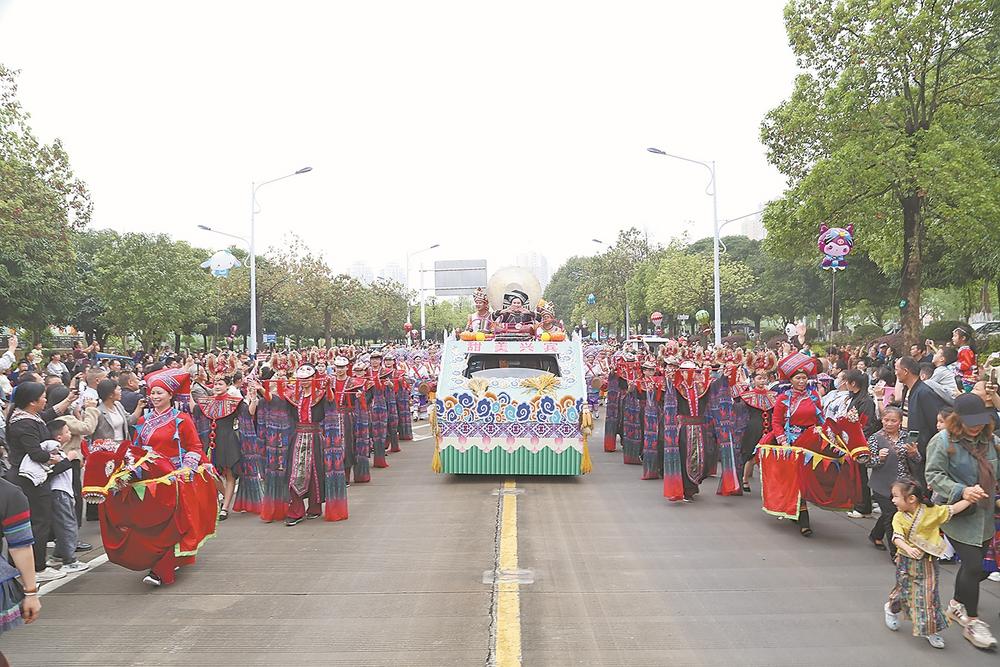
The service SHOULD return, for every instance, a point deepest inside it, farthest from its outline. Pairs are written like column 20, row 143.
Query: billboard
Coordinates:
column 459, row 277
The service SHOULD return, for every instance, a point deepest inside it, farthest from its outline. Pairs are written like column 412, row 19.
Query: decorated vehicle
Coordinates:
column 512, row 399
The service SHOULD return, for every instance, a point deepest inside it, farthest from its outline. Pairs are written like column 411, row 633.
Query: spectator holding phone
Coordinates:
column 923, row 405
column 893, row 454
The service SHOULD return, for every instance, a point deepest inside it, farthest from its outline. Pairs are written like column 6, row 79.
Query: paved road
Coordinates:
column 621, row 577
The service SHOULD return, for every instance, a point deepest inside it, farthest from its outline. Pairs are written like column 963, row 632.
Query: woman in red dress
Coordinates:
column 796, row 415
column 158, row 494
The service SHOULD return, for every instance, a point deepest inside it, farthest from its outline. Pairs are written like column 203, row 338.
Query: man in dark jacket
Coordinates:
column 923, row 405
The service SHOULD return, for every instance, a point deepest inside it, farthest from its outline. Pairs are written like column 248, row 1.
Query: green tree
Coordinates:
column 150, row 285
column 888, row 128
column 41, row 203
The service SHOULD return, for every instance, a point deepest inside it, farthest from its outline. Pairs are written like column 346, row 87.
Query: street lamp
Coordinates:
column 715, row 235
column 408, row 256
column 254, row 187
column 627, row 319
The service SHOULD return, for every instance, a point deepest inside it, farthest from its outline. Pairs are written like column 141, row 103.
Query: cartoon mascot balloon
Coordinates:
column 835, row 243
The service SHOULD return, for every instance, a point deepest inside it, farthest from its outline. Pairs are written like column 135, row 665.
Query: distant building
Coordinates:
column 753, row 227
column 393, row 271
column 538, row 265
column 362, row 272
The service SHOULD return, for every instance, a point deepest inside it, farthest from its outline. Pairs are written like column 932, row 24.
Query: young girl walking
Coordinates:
column 916, row 532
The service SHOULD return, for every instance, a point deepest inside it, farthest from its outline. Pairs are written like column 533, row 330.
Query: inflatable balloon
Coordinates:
column 835, row 243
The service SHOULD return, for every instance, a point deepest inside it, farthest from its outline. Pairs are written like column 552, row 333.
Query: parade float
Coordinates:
column 511, row 399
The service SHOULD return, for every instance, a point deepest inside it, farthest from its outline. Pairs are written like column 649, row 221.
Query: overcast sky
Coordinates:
column 489, row 128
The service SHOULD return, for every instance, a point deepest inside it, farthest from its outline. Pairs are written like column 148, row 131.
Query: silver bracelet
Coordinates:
column 35, row 593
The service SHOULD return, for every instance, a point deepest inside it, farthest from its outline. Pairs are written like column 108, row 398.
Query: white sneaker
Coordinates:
column 48, row 574
column 152, row 580
column 54, row 562
column 75, row 566
column 994, row 576
column 956, row 612
column 876, row 510
column 891, row 619
column 855, row 515
column 935, row 640
column 50, row 545
column 979, row 635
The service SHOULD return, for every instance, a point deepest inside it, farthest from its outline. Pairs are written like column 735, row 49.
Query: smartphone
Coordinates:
column 912, row 437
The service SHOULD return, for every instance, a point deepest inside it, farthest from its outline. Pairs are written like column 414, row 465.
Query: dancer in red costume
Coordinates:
column 801, row 459
column 159, row 493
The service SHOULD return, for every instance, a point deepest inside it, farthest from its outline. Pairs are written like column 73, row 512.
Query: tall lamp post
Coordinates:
column 627, row 319
column 254, row 187
column 715, row 235
column 408, row 256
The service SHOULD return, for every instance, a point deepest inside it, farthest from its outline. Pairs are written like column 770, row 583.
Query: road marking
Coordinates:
column 508, row 626
column 58, row 583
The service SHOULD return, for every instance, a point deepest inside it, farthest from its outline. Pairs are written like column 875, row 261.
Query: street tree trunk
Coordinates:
column 913, row 242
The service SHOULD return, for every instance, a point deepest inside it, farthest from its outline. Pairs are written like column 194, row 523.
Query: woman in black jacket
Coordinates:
column 26, row 430
column 856, row 383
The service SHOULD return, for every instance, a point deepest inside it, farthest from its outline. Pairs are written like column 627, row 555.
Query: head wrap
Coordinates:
column 795, row 363
column 171, row 380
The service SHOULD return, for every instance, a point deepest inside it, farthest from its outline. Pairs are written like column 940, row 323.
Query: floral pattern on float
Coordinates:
column 500, row 409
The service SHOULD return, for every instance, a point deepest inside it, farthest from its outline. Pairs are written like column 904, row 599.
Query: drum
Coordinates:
column 596, row 382
column 424, row 388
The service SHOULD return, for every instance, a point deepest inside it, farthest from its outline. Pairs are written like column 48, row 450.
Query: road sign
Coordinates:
column 682, row 318
column 270, row 338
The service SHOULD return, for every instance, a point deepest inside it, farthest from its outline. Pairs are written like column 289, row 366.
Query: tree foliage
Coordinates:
column 891, row 126
column 41, row 203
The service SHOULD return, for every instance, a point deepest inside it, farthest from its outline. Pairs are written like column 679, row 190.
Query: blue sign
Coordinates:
column 270, row 338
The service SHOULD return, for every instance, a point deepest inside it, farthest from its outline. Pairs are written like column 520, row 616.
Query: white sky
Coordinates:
column 489, row 128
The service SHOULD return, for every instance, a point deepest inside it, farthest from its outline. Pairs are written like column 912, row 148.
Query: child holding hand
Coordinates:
column 916, row 532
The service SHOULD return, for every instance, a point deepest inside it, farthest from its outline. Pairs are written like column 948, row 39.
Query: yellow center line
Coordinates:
column 508, row 644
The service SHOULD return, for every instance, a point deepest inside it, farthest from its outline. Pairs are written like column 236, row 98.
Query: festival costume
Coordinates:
column 352, row 414
column 915, row 594
column 817, row 462
column 758, row 405
column 227, row 428
column 698, row 424
column 594, row 376
column 613, row 410
column 392, row 412
column 158, row 496
column 631, row 414
column 403, row 412
column 967, row 368
column 378, row 419
column 305, row 451
column 651, row 390
column 421, row 374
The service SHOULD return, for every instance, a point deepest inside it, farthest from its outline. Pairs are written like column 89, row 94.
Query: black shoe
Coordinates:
column 878, row 544
column 311, row 516
column 746, row 487
column 83, row 546
column 289, row 521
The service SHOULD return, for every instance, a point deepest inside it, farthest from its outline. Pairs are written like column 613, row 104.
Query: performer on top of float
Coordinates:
column 514, row 310
column 549, row 324
column 482, row 319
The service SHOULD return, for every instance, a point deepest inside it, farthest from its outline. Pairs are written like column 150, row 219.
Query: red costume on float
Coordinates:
column 158, row 495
